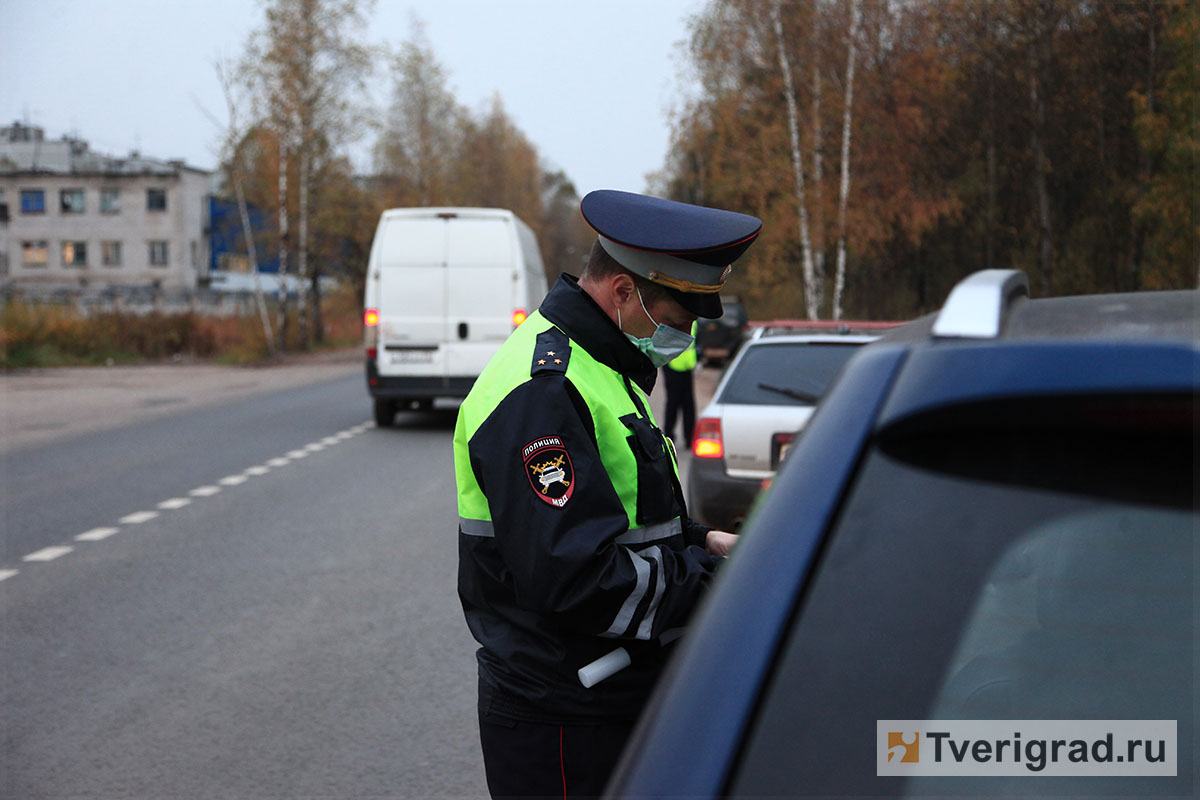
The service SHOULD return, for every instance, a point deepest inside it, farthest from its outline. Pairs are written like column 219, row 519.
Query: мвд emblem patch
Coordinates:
column 548, row 467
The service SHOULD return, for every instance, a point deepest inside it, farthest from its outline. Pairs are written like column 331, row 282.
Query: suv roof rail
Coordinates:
column 978, row 305
column 842, row 327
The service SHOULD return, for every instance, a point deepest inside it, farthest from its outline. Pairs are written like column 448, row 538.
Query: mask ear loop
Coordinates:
column 643, row 305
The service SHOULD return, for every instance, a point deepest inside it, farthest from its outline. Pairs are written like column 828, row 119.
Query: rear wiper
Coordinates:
column 792, row 393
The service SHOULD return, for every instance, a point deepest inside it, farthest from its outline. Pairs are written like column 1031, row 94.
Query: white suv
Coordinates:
column 765, row 397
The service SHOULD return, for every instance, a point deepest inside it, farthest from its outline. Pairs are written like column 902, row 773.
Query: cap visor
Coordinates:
column 707, row 306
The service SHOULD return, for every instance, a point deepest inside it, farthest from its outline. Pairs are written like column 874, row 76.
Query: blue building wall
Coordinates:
column 226, row 236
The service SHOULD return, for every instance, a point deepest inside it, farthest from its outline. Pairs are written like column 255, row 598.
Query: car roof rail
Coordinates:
column 979, row 304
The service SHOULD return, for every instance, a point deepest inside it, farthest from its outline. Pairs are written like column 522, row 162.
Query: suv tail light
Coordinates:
column 780, row 444
column 519, row 316
column 706, row 439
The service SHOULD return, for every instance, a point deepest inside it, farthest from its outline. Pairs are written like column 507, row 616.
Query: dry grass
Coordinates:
column 45, row 335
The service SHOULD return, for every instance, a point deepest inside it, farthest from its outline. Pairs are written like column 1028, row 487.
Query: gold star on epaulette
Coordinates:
column 558, row 361
column 541, row 362
column 549, row 352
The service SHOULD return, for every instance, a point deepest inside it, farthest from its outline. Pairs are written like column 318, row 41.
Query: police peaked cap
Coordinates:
column 687, row 249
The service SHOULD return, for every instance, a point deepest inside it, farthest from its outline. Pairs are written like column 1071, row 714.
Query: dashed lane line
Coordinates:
column 47, row 554
column 138, row 517
column 175, row 503
column 96, row 534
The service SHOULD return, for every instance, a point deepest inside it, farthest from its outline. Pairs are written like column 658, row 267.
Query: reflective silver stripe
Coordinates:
column 651, row 533
column 476, row 527
column 644, row 630
column 621, row 623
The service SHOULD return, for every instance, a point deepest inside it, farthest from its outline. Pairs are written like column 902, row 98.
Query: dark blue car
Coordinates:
column 992, row 516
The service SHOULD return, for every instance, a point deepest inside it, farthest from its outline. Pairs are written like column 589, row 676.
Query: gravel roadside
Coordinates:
column 42, row 405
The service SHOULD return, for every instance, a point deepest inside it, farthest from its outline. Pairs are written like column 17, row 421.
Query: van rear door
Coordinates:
column 482, row 266
column 412, row 295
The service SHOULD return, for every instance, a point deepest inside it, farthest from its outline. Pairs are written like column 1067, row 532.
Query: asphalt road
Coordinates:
column 230, row 584
column 246, row 599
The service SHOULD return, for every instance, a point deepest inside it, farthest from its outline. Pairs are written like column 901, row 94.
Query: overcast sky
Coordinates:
column 590, row 82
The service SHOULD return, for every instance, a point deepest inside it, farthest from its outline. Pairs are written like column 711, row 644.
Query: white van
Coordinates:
column 445, row 288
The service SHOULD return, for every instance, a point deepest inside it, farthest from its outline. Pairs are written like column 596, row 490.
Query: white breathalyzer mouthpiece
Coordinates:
column 603, row 667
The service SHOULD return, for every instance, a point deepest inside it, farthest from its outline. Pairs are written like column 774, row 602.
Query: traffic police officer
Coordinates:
column 574, row 538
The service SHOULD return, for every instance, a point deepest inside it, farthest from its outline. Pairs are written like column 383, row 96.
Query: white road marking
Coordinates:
column 48, row 553
column 174, row 503
column 96, row 534
column 138, row 517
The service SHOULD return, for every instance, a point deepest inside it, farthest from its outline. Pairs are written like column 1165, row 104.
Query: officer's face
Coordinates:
column 666, row 311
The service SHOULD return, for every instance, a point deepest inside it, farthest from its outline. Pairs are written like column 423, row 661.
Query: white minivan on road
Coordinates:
column 445, row 287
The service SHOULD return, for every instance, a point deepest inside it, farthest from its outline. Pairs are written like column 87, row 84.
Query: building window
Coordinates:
column 71, row 201
column 110, row 201
column 74, row 254
column 35, row 254
column 33, row 201
column 156, row 199
column 110, row 254
column 158, row 254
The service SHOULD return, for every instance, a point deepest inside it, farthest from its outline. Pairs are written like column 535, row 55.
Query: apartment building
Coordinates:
column 71, row 217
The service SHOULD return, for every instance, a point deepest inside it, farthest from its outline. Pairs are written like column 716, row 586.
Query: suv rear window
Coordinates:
column 995, row 570
column 786, row 373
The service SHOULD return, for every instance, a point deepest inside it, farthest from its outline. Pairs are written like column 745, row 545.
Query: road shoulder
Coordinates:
column 44, row 405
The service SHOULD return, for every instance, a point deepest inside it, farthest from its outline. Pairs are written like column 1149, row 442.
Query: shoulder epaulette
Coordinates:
column 551, row 353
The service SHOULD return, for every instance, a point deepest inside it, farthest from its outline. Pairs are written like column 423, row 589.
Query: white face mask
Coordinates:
column 665, row 345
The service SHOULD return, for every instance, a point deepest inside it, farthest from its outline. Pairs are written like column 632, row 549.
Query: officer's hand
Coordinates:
column 720, row 543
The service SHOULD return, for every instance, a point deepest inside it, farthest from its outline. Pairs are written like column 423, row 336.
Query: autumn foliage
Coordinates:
column 1059, row 138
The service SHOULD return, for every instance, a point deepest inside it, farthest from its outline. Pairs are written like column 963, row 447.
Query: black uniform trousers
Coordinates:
column 538, row 759
column 681, row 397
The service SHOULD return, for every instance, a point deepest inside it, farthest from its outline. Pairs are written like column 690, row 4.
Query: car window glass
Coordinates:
column 785, row 373
column 949, row 596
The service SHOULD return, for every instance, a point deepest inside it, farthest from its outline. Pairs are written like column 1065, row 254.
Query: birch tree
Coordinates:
column 309, row 69
column 424, row 127
column 813, row 283
column 844, row 191
column 233, row 157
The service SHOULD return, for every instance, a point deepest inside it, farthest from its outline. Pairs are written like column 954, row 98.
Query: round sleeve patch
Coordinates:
column 548, row 467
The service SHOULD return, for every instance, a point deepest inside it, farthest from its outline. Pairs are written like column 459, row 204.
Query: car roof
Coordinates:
column 994, row 304
column 768, row 337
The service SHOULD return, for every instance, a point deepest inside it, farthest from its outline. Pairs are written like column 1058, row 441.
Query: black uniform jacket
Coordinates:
column 551, row 590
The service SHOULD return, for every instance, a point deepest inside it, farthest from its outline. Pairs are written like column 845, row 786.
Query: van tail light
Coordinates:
column 706, row 438
column 519, row 316
column 371, row 331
